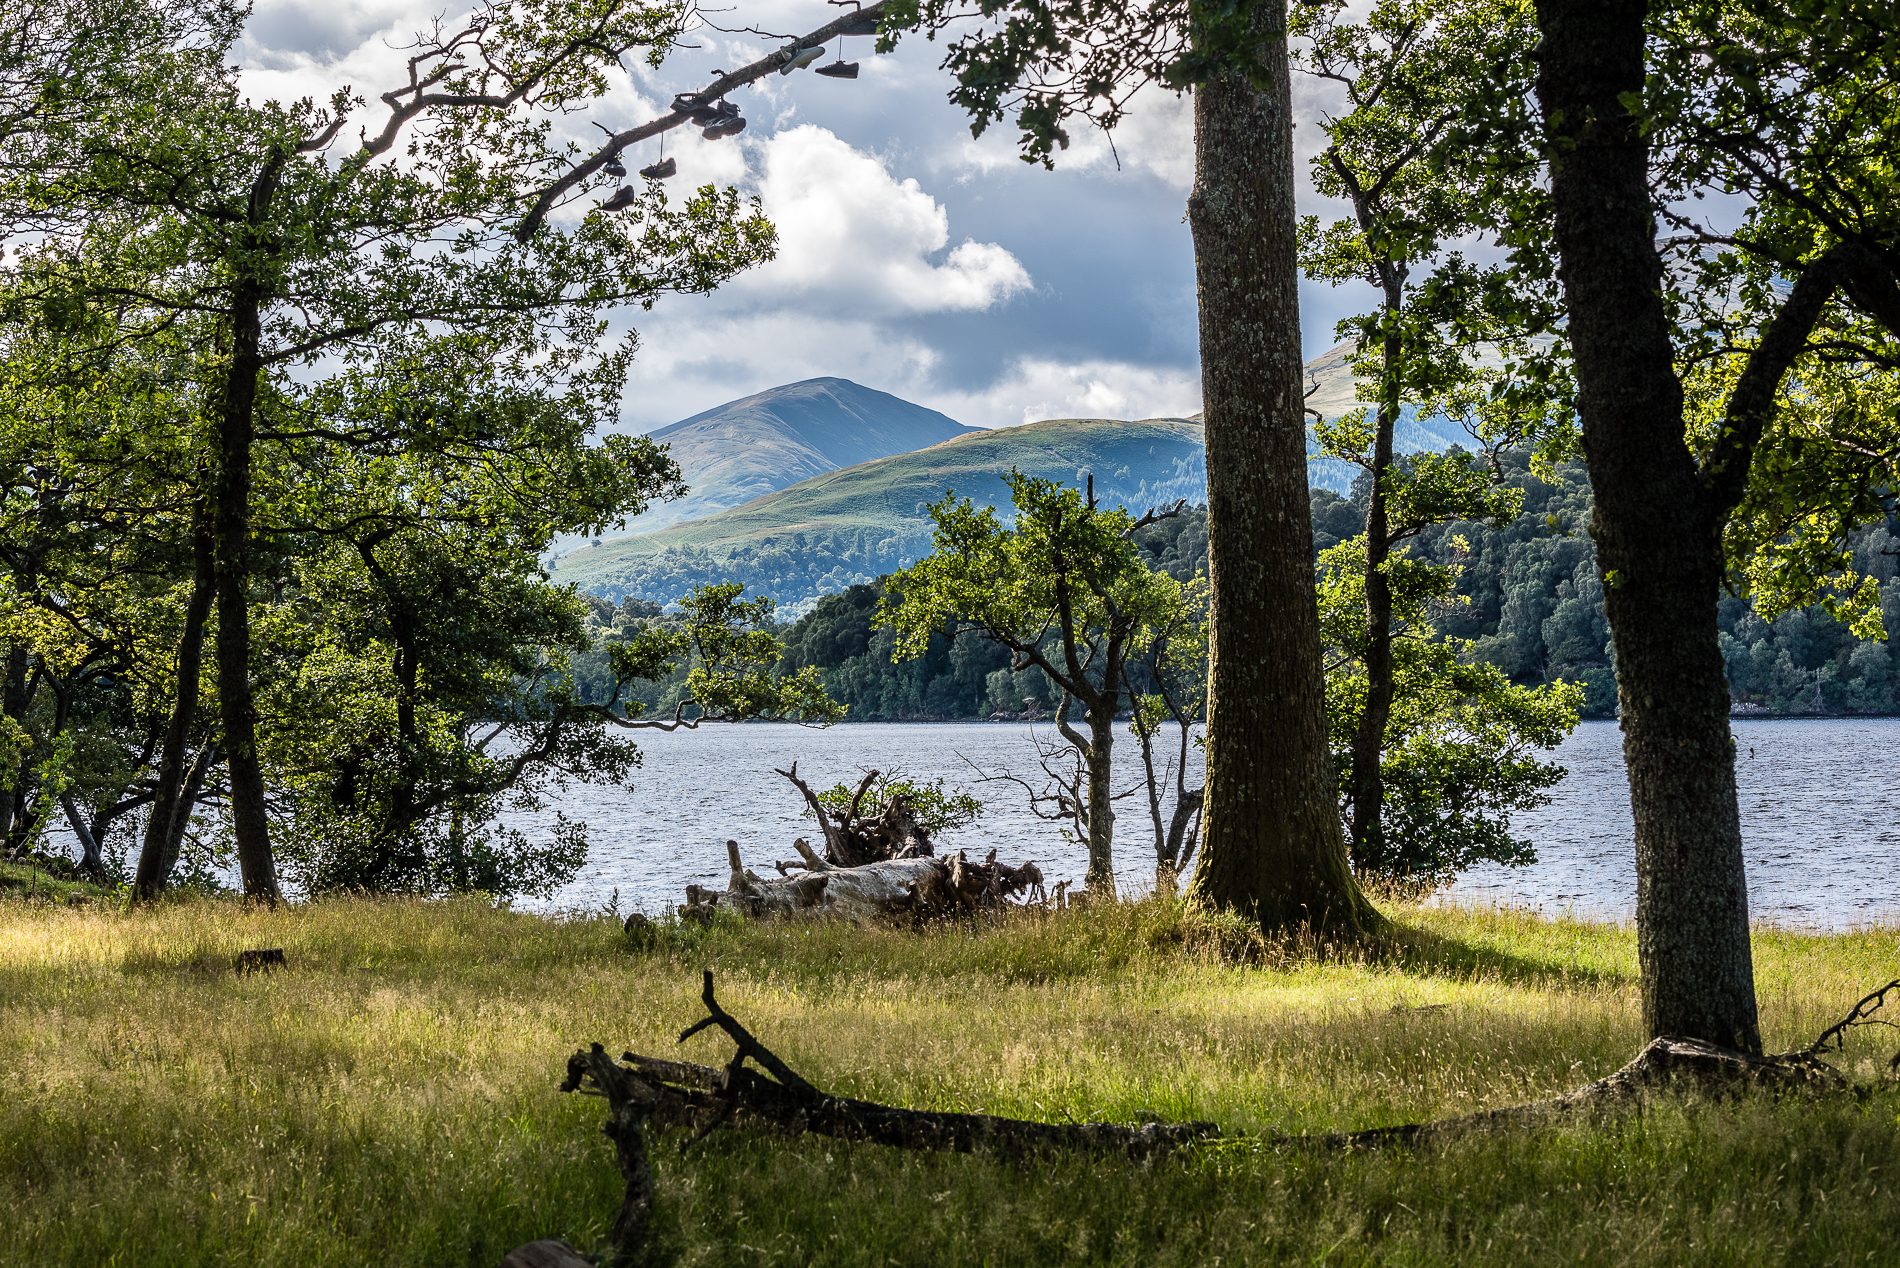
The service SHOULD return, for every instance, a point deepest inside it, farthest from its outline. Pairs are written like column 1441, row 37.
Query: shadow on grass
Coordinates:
column 1421, row 950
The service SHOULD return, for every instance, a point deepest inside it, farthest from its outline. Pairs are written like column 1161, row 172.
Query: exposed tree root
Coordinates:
column 1665, row 1063
column 706, row 1098
column 854, row 837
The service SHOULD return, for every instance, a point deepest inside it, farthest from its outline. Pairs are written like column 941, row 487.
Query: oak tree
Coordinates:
column 1271, row 842
column 1700, row 355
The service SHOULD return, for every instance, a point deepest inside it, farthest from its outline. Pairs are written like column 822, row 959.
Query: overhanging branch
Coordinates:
column 1751, row 404
column 719, row 87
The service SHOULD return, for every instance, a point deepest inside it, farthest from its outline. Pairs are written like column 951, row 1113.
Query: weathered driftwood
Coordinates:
column 639, row 1088
column 858, row 835
column 914, row 887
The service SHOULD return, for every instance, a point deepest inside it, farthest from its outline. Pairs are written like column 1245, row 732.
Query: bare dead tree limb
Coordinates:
column 629, row 1102
column 639, row 1088
column 684, row 1092
column 1861, row 1014
column 742, row 1039
column 684, row 104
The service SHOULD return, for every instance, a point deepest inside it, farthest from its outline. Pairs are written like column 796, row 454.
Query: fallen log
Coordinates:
column 1666, row 1063
column 639, row 1088
column 918, row 887
column 642, row 1088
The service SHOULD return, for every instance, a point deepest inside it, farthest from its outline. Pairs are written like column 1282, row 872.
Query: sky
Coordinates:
column 912, row 257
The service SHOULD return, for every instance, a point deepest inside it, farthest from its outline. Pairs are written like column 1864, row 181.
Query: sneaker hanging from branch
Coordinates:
column 842, row 69
column 801, row 58
column 701, row 113
column 729, row 123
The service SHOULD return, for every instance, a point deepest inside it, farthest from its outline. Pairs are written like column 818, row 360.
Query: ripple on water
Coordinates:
column 1820, row 825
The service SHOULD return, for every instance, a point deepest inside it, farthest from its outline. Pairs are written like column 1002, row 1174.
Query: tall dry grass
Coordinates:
column 390, row 1098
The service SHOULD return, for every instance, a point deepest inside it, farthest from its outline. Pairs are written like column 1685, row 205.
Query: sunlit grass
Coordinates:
column 391, row 1097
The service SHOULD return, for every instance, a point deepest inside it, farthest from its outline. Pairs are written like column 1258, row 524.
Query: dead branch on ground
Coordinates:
column 777, row 1098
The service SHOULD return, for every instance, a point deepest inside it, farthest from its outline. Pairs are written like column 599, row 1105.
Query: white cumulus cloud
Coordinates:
column 856, row 238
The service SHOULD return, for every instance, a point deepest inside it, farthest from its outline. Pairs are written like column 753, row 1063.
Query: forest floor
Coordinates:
column 390, row 1097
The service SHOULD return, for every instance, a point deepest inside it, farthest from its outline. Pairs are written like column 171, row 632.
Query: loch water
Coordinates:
column 1820, row 805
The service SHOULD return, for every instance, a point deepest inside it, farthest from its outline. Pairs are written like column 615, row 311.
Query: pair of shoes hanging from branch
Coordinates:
column 839, row 69
column 625, row 195
column 708, row 110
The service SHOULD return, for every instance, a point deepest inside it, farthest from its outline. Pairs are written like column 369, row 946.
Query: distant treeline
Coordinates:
column 1532, row 605
column 1535, row 606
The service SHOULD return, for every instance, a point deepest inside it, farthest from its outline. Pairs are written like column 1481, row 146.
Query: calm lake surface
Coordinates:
column 1820, row 815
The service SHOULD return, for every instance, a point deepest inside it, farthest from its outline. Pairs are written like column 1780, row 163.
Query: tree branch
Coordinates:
column 1752, row 402
column 544, row 202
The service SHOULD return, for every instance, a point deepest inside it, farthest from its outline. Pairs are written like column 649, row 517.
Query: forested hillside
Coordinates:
column 1531, row 604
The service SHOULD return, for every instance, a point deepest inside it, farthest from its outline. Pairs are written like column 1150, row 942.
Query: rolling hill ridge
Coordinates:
column 809, row 488
column 855, row 524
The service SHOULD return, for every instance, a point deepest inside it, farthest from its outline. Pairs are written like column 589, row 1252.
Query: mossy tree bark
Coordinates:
column 236, row 428
column 1273, row 847
column 1657, row 529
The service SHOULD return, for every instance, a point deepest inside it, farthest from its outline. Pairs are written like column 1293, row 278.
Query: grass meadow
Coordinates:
column 391, row 1099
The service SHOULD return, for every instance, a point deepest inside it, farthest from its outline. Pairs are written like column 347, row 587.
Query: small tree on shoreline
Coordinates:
column 1172, row 663
column 1064, row 590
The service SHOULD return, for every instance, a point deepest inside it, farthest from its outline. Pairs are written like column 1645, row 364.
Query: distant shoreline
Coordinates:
column 1767, row 716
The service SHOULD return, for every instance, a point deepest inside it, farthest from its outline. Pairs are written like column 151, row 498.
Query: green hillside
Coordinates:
column 855, row 524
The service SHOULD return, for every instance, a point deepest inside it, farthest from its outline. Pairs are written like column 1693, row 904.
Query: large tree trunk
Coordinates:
column 1272, row 848
column 249, row 822
column 1657, row 532
column 154, row 870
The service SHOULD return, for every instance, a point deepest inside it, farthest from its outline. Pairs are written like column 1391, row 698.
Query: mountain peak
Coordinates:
column 773, row 439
